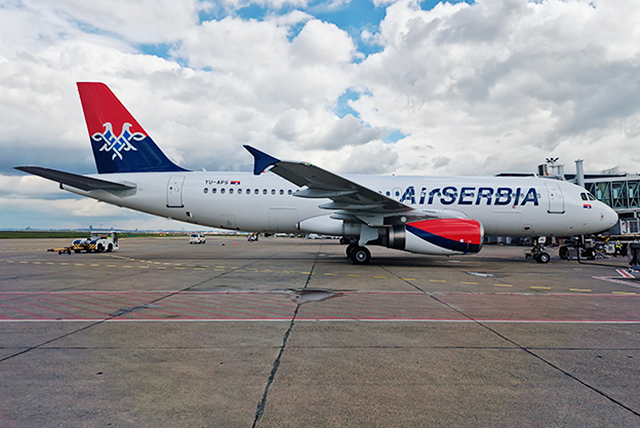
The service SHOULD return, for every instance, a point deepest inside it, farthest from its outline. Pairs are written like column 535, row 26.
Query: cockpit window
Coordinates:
column 591, row 197
column 584, row 196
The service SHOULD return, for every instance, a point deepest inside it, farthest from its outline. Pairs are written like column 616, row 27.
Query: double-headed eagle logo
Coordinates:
column 119, row 144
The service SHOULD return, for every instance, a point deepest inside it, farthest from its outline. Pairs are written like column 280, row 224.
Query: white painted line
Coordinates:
column 625, row 274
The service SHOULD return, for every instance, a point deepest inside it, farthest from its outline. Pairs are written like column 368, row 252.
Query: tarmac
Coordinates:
column 286, row 332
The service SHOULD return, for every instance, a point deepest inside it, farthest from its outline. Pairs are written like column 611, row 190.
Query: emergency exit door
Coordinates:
column 174, row 191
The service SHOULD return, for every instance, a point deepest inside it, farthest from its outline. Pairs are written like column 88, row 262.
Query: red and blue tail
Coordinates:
column 118, row 141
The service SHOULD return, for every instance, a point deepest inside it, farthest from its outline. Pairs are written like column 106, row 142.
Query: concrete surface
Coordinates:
column 167, row 334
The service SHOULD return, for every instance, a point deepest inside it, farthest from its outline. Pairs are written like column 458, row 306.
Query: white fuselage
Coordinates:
column 506, row 206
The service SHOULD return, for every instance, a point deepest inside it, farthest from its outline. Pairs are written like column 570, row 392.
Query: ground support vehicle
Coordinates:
column 98, row 242
column 197, row 238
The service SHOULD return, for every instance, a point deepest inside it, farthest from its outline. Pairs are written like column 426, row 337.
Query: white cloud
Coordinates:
column 496, row 85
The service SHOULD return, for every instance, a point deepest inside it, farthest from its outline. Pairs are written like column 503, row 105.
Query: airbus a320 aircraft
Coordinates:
column 427, row 215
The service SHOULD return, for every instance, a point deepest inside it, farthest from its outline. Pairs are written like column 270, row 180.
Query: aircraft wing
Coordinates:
column 319, row 183
column 75, row 180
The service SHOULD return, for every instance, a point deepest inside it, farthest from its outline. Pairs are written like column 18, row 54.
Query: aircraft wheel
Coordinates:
column 350, row 249
column 360, row 256
column 543, row 258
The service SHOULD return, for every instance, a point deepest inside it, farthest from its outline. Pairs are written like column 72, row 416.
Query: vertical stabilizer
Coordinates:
column 118, row 141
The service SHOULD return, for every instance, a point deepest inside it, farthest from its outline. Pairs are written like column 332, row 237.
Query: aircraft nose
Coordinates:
column 608, row 216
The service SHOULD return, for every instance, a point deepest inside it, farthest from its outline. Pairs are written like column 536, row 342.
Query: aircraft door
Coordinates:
column 174, row 191
column 556, row 200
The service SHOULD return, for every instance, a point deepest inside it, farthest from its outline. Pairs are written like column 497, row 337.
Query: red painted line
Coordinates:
column 625, row 274
column 37, row 306
column 57, row 302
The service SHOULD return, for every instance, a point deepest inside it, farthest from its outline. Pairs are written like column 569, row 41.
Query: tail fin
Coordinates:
column 118, row 141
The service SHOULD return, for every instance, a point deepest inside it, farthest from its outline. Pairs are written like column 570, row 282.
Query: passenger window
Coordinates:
column 239, row 191
column 222, row 191
column 206, row 190
column 264, row 191
column 213, row 190
column 248, row 191
column 281, row 192
column 231, row 191
column 256, row 191
column 290, row 191
column 387, row 193
column 273, row 191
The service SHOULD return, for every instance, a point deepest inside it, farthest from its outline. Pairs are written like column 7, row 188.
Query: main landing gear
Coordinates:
column 358, row 255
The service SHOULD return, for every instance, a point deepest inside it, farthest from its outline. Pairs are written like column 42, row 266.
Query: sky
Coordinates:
column 353, row 86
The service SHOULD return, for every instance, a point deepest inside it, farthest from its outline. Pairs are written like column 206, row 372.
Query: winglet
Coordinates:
column 261, row 160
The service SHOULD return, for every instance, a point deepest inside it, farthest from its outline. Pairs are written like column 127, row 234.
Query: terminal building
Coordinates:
column 621, row 191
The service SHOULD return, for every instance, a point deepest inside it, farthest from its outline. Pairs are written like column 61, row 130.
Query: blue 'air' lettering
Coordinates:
column 433, row 193
column 423, row 195
column 472, row 196
column 409, row 195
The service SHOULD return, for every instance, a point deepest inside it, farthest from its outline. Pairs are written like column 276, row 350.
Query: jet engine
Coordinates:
column 438, row 236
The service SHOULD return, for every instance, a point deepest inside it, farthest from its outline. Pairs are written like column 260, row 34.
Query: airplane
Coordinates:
column 417, row 214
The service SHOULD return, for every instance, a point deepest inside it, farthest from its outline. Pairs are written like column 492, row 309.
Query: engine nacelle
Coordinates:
column 439, row 236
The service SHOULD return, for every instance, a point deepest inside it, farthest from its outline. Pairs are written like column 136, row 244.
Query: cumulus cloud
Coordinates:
column 485, row 87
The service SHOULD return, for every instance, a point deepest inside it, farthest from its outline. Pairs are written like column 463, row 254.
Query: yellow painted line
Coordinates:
column 28, row 262
column 580, row 290
column 198, row 269
column 307, row 273
column 220, row 267
column 468, row 283
column 94, row 264
column 127, row 266
column 111, row 265
column 60, row 263
column 408, row 279
column 536, row 287
column 50, row 263
column 624, row 293
column 502, row 285
column 380, row 277
column 79, row 264
column 435, row 280
column 36, row 263
column 330, row 274
column 351, row 274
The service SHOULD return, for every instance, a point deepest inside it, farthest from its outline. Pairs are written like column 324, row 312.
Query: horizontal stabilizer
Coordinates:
column 74, row 180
